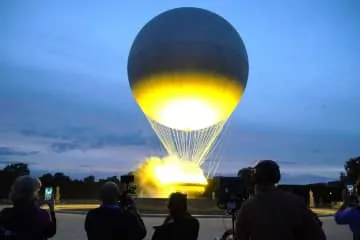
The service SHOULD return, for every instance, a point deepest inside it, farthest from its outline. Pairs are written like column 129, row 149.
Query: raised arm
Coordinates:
column 345, row 216
column 50, row 228
column 135, row 226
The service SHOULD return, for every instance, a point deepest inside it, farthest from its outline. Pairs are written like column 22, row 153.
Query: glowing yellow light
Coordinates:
column 176, row 114
column 164, row 176
column 188, row 101
column 175, row 171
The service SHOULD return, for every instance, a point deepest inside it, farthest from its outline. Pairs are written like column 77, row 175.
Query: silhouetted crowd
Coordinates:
column 269, row 214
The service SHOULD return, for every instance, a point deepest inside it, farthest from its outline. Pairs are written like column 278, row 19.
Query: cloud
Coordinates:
column 95, row 141
column 85, row 166
column 6, row 151
column 43, row 133
column 63, row 147
column 130, row 139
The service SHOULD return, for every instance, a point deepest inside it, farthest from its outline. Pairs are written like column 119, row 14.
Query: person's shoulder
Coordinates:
column 352, row 210
column 6, row 211
column 194, row 219
column 109, row 212
column 356, row 209
column 248, row 206
column 42, row 212
column 187, row 218
column 289, row 196
column 41, row 215
column 93, row 212
column 249, row 203
column 278, row 195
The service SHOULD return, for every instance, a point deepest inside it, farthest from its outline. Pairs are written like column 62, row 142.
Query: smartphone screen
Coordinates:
column 350, row 189
column 48, row 195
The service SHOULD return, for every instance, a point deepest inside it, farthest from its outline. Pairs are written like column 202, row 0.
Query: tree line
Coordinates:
column 88, row 187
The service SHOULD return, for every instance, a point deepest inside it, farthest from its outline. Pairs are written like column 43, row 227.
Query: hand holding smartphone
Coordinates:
column 48, row 194
column 350, row 189
column 49, row 197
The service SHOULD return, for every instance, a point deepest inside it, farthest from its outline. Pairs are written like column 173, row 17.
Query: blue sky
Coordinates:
column 65, row 103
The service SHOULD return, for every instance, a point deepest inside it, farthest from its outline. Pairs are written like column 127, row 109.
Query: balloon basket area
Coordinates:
column 192, row 191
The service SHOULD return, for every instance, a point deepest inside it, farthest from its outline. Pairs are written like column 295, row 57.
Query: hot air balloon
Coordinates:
column 188, row 69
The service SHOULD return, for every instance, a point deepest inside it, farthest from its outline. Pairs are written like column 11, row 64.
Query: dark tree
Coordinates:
column 61, row 178
column 8, row 176
column 352, row 168
column 89, row 180
column 65, row 183
column 47, row 179
column 19, row 169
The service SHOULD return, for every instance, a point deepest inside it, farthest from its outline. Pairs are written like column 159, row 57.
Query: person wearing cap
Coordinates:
column 273, row 214
column 113, row 220
column 179, row 224
column 25, row 219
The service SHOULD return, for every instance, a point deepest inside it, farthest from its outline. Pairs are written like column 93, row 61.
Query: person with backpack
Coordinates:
column 25, row 219
column 349, row 211
column 114, row 220
column 179, row 224
column 273, row 214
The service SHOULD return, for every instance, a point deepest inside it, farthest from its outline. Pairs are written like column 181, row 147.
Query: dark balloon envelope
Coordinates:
column 188, row 68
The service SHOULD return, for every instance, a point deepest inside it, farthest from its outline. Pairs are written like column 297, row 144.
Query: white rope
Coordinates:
column 196, row 146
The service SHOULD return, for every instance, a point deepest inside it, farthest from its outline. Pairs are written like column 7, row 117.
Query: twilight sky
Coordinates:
column 65, row 103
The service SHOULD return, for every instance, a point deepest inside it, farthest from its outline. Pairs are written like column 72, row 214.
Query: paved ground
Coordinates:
column 70, row 226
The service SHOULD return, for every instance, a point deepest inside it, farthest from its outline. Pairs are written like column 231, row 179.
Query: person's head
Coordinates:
column 25, row 189
column 109, row 193
column 266, row 174
column 177, row 203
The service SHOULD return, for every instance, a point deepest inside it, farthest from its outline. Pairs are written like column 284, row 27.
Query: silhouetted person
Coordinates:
column 272, row 214
column 179, row 224
column 349, row 212
column 26, row 220
column 113, row 220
